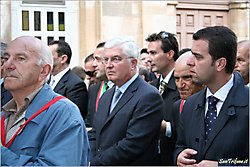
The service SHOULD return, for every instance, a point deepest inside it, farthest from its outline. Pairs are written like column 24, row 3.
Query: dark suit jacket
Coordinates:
column 167, row 144
column 93, row 92
column 230, row 136
column 129, row 135
column 72, row 87
column 176, row 115
column 5, row 95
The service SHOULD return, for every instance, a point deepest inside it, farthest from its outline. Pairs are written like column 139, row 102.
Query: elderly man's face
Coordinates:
column 242, row 62
column 185, row 84
column 20, row 68
column 118, row 66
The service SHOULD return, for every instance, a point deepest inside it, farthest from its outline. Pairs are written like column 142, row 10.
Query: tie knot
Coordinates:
column 212, row 101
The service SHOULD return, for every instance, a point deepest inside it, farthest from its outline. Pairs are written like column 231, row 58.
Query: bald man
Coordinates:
column 183, row 78
column 39, row 127
column 184, row 84
column 242, row 60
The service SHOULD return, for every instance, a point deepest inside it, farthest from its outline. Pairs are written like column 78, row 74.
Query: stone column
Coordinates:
column 239, row 18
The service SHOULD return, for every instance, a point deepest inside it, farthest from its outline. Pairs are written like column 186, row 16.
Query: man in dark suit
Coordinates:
column 63, row 80
column 163, row 51
column 96, row 91
column 223, row 138
column 126, row 125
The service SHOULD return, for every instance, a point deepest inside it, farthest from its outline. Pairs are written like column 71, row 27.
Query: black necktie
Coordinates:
column 211, row 115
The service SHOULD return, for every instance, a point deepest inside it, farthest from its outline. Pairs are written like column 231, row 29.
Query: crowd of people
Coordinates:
column 154, row 106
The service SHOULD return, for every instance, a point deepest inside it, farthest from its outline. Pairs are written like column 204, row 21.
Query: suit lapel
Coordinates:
column 171, row 85
column 106, row 101
column 128, row 94
column 198, row 132
column 124, row 99
column 234, row 98
column 60, row 85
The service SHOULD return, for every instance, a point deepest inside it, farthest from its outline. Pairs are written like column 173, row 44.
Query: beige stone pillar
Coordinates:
column 90, row 29
column 239, row 18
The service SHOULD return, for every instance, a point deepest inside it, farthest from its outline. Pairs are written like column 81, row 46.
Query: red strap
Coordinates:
column 181, row 105
column 98, row 96
column 3, row 135
column 3, row 138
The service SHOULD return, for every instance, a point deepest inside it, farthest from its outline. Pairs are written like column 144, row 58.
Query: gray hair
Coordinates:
column 46, row 56
column 127, row 44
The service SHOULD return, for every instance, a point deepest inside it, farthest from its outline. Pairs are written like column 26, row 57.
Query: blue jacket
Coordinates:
column 56, row 137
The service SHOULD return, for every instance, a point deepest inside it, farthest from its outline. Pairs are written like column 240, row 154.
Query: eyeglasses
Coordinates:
column 89, row 73
column 115, row 59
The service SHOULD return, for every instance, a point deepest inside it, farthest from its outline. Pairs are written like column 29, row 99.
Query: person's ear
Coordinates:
column 221, row 63
column 133, row 63
column 64, row 58
column 45, row 71
column 170, row 54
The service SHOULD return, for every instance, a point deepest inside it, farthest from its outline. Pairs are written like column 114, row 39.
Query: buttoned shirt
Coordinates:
column 58, row 77
column 220, row 94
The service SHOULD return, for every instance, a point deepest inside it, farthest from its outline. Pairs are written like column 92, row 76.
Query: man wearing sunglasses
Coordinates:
column 97, row 90
column 89, row 70
column 163, row 51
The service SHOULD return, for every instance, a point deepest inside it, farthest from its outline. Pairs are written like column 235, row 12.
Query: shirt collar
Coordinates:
column 167, row 78
column 222, row 93
column 1, row 80
column 58, row 76
column 11, row 107
column 110, row 84
column 124, row 87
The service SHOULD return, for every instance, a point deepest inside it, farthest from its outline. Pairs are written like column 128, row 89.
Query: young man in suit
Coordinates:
column 34, row 133
column 126, row 125
column 214, row 126
column 63, row 80
column 163, row 51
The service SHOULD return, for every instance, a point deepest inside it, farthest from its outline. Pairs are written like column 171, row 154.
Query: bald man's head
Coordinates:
column 183, row 77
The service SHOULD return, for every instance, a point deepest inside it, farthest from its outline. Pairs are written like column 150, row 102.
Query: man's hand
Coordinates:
column 184, row 158
column 207, row 163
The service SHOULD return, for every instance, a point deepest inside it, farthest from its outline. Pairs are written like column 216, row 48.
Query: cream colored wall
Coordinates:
column 5, row 21
column 101, row 20
column 239, row 18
